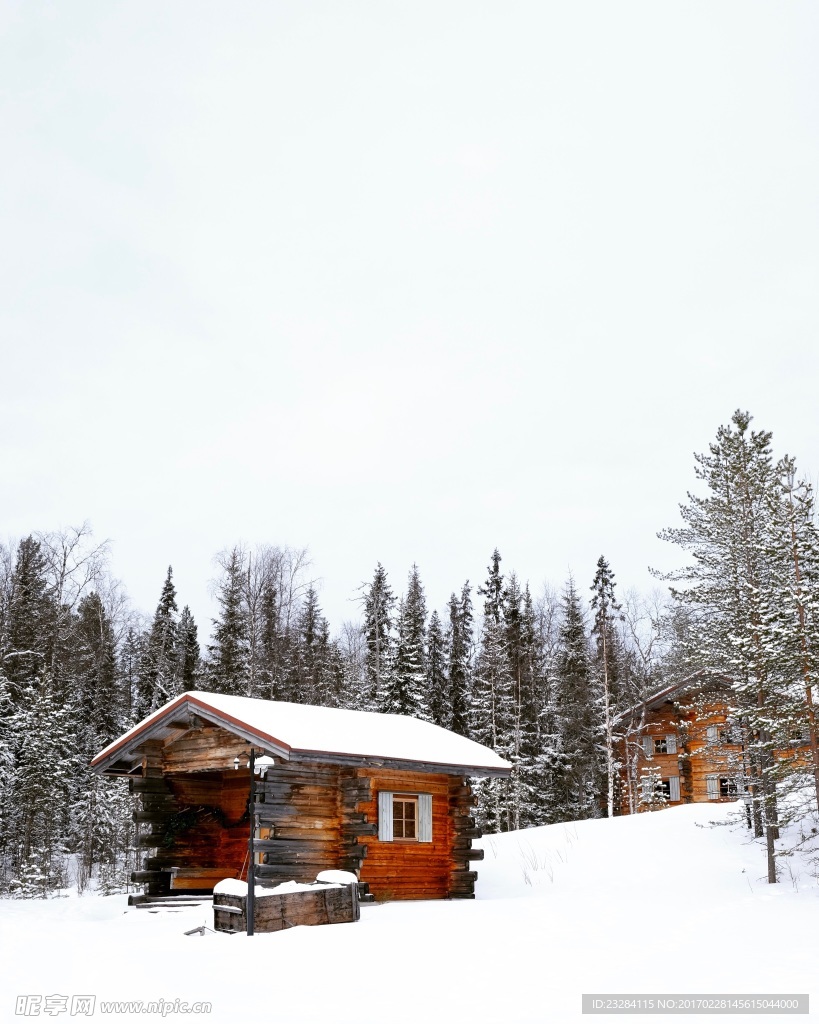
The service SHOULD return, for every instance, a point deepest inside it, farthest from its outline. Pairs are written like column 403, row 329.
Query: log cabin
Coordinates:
column 387, row 797
column 684, row 744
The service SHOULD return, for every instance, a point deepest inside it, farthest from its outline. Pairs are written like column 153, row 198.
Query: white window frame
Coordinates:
column 385, row 816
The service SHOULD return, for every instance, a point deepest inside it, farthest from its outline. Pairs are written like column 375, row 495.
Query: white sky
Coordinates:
column 400, row 282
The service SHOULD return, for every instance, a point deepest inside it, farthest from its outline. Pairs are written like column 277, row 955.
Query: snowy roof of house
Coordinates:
column 303, row 731
column 701, row 679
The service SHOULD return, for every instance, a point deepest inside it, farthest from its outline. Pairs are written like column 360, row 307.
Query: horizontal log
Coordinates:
column 475, row 855
column 152, row 817
column 151, row 876
column 150, row 840
column 318, row 860
column 460, row 875
column 364, row 829
column 292, row 845
column 148, row 785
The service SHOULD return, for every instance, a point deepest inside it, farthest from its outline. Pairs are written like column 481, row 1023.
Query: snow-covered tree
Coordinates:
column 379, row 604
column 404, row 693
column 606, row 666
column 228, row 653
column 459, row 642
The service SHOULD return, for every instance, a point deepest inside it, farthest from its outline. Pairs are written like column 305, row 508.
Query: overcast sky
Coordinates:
column 398, row 281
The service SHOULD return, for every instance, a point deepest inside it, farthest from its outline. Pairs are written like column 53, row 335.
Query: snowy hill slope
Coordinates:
column 652, row 903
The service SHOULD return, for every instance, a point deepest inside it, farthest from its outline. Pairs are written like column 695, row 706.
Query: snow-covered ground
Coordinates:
column 652, row 903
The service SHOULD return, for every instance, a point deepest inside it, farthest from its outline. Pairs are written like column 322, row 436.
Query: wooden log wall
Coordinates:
column 413, row 870
column 707, row 758
column 298, row 803
column 462, row 876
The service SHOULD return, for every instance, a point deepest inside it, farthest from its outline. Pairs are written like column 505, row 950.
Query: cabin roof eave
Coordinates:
column 124, row 755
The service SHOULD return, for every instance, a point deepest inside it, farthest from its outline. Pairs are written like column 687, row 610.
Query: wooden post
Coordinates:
column 251, row 870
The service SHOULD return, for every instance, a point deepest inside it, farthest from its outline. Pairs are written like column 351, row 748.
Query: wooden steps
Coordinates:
column 154, row 904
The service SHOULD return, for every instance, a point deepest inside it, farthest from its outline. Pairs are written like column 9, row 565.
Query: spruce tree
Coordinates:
column 459, row 647
column 379, row 603
column 439, row 697
column 228, row 654
column 30, row 618
column 576, row 770
column 159, row 671
column 493, row 709
column 607, row 669
column 187, row 672
column 404, row 693
column 728, row 587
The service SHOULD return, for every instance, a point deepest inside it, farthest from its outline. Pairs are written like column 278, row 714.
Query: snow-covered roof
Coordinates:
column 287, row 729
column 700, row 679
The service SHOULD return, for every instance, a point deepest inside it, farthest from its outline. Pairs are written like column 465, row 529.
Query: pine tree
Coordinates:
column 493, row 710
column 576, row 766
column 607, row 668
column 728, row 586
column 790, row 618
column 96, row 693
column 524, row 665
column 228, row 654
column 404, row 693
column 439, row 697
column 459, row 647
column 379, row 603
column 188, row 652
column 314, row 681
column 30, row 619
column 159, row 671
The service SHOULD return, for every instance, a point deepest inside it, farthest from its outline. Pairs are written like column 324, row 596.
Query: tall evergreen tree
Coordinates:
column 159, row 672
column 439, row 697
column 727, row 533
column 30, row 619
column 459, row 646
column 607, row 669
column 379, row 604
column 576, row 768
column 493, row 710
column 405, row 694
column 188, row 652
column 228, row 654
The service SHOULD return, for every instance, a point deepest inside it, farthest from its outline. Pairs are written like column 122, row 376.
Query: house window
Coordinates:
column 721, row 788
column 715, row 734
column 404, row 817
column 659, row 745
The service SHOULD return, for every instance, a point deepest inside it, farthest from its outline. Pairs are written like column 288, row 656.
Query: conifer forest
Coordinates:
column 538, row 672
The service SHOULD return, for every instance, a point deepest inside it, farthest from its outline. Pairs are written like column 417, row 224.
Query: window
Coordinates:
column 404, row 817
column 715, row 734
column 721, row 788
column 659, row 745
column 659, row 790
